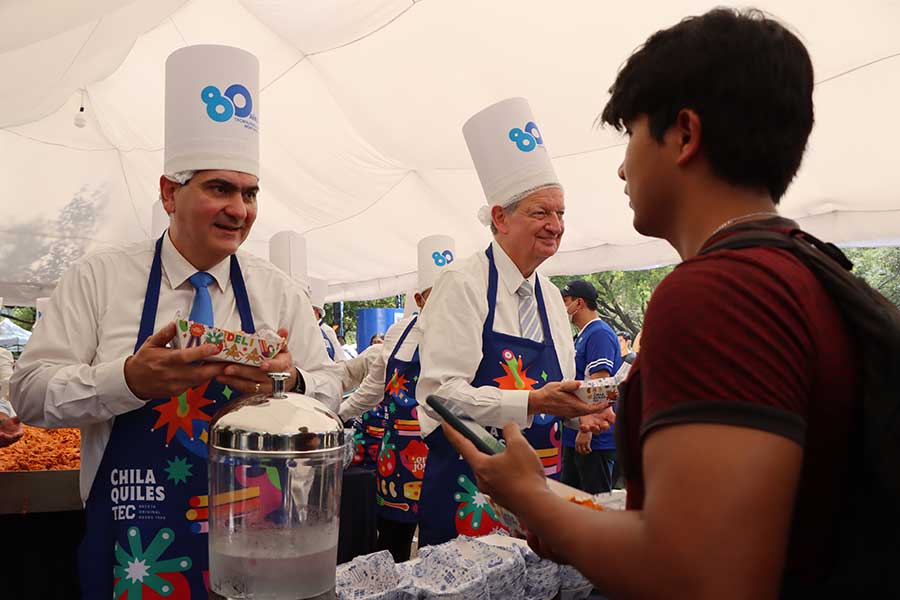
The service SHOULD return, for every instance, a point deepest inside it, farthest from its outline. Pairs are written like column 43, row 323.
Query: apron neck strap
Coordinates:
column 151, row 297
column 492, row 299
column 492, row 289
column 403, row 337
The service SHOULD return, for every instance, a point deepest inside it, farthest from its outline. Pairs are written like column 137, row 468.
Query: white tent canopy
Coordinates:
column 361, row 107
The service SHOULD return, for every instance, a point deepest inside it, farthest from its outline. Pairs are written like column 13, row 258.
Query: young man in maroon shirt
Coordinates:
column 737, row 414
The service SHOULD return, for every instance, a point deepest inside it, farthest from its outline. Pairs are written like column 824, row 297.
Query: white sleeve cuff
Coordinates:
column 345, row 411
column 514, row 407
column 112, row 390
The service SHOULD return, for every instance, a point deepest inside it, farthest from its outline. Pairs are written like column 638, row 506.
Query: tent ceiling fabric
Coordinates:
column 362, row 104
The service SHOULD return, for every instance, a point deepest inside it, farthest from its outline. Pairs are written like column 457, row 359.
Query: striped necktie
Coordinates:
column 529, row 322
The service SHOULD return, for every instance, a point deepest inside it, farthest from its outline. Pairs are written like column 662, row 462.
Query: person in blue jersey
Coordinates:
column 588, row 460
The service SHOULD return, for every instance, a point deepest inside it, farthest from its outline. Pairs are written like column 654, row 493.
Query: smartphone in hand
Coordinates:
column 475, row 433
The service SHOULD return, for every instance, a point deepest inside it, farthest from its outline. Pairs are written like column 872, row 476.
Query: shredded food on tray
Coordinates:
column 43, row 450
column 586, row 502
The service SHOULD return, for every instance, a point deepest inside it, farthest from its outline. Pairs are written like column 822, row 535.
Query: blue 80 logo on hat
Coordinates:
column 527, row 140
column 442, row 258
column 221, row 108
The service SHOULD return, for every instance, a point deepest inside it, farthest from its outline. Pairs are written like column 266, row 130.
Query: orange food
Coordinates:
column 43, row 450
column 585, row 502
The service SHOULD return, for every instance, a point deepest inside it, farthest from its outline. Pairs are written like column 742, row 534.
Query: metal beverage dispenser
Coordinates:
column 275, row 466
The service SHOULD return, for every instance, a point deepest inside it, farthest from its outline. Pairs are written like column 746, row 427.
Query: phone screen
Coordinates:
column 461, row 422
column 484, row 435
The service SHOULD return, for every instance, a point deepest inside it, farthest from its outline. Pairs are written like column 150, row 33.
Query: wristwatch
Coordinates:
column 300, row 388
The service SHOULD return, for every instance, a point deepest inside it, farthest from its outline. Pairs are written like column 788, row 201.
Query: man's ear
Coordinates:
column 498, row 216
column 167, row 193
column 688, row 131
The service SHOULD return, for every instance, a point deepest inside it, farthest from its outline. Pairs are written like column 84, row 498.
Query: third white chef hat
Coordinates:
column 40, row 308
column 318, row 288
column 508, row 150
column 212, row 110
column 287, row 251
column 409, row 304
column 435, row 253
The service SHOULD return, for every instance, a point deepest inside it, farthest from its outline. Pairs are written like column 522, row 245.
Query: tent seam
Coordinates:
column 366, row 209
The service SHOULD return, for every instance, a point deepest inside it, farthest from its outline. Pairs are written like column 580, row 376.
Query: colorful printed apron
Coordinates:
column 451, row 503
column 146, row 514
column 329, row 347
column 401, row 457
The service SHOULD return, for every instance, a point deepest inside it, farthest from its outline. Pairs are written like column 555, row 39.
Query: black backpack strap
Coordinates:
column 872, row 319
column 749, row 237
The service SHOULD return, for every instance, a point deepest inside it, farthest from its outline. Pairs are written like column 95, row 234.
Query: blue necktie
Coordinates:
column 201, row 310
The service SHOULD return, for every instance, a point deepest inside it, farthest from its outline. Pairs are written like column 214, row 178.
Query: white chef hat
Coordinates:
column 212, row 110
column 40, row 307
column 436, row 253
column 318, row 288
column 409, row 303
column 287, row 251
column 508, row 150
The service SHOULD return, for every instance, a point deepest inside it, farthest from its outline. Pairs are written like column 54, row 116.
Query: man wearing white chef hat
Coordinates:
column 100, row 359
column 496, row 337
column 391, row 426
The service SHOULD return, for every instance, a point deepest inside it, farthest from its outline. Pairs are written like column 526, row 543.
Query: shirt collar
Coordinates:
column 177, row 268
column 586, row 326
column 508, row 272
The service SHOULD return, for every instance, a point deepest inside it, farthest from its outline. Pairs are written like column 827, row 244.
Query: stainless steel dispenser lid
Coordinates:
column 282, row 423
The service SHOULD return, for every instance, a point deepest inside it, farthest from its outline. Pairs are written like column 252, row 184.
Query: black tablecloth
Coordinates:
column 38, row 555
column 358, row 532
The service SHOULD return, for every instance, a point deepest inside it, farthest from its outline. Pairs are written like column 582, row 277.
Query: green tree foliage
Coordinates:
column 880, row 267
column 23, row 316
column 622, row 296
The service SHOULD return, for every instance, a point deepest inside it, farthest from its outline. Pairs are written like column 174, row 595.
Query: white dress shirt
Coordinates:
column 356, row 368
column 71, row 373
column 450, row 348
column 328, row 330
column 370, row 392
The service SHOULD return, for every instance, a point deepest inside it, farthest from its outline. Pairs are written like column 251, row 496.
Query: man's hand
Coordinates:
column 510, row 477
column 156, row 371
column 599, row 422
column 558, row 398
column 583, row 442
column 255, row 380
column 10, row 430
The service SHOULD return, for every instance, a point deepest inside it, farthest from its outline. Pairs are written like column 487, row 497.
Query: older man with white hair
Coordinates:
column 497, row 342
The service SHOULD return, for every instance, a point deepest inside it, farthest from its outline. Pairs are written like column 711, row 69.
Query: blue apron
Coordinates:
column 451, row 504
column 401, row 457
column 146, row 528
column 329, row 347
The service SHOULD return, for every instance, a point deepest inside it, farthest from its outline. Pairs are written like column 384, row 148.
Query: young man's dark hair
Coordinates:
column 748, row 78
